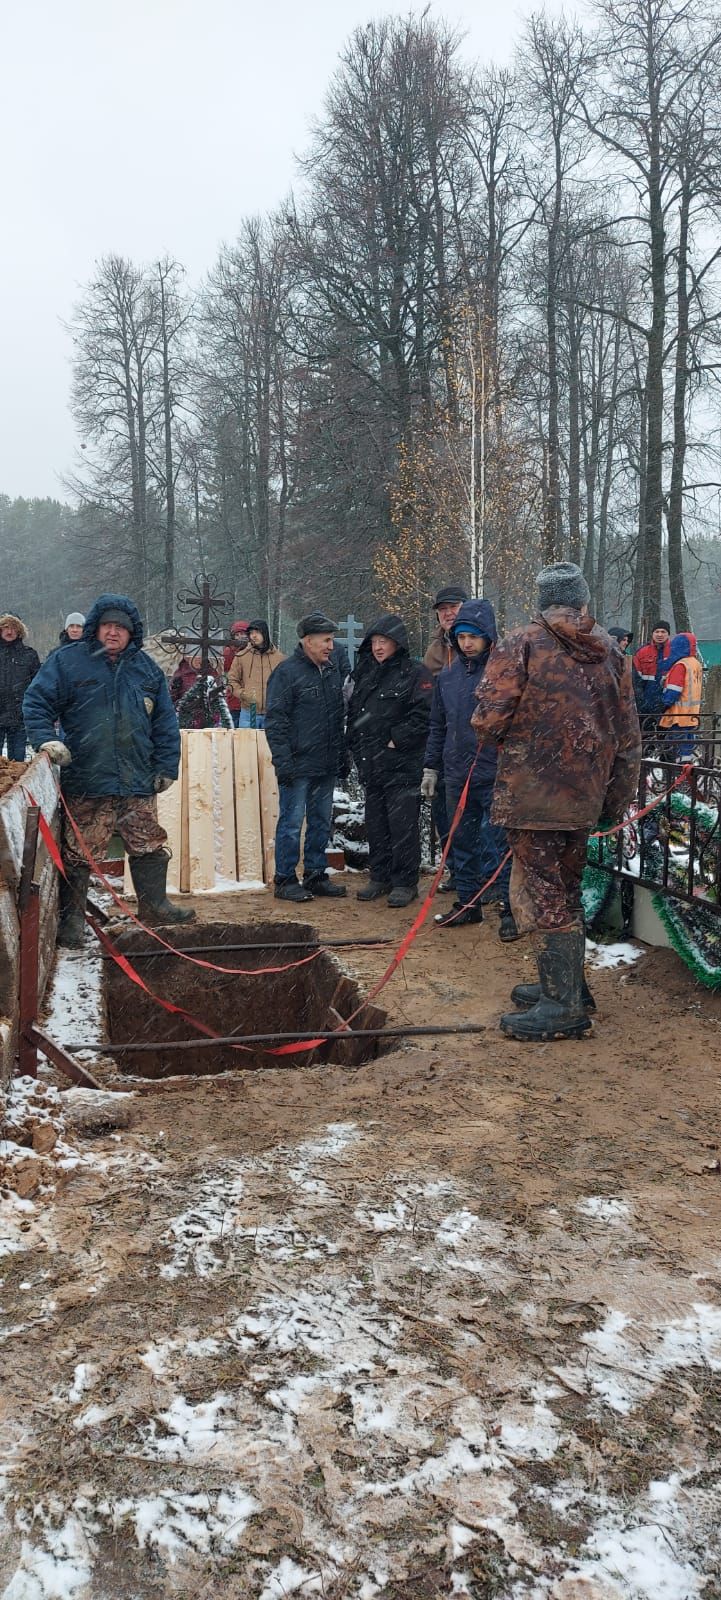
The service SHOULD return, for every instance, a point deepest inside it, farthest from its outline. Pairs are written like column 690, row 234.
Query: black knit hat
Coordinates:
column 316, row 622
column 115, row 614
column 662, row 624
column 452, row 595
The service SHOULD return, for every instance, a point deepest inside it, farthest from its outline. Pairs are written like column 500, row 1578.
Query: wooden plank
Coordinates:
column 268, row 806
column 224, row 805
column 169, row 817
column 201, row 845
column 184, row 814
column 248, row 836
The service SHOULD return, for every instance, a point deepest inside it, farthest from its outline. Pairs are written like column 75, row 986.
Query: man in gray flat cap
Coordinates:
column 557, row 698
column 304, row 725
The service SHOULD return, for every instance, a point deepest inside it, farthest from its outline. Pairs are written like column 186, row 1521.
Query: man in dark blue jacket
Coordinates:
column 120, row 747
column 304, row 720
column 478, row 846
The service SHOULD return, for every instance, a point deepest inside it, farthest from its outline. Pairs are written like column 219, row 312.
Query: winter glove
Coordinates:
column 57, row 752
column 429, row 783
column 160, row 783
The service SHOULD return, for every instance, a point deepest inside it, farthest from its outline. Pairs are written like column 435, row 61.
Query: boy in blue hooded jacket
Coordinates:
column 478, row 845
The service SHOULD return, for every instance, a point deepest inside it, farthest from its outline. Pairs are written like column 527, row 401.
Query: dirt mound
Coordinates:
column 10, row 771
column 664, row 970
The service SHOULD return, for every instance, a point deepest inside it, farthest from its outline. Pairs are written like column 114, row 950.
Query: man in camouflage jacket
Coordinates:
column 557, row 698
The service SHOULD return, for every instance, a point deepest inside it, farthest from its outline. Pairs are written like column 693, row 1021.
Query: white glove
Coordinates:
column 58, row 752
column 429, row 782
column 160, row 783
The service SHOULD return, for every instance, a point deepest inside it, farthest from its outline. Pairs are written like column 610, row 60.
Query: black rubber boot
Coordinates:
column 460, row 916
column 73, row 895
column 507, row 930
column 291, row 889
column 560, row 1012
column 526, row 995
column 373, row 890
column 322, row 887
column 149, row 875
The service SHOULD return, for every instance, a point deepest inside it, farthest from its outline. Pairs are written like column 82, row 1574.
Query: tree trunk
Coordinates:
column 674, row 509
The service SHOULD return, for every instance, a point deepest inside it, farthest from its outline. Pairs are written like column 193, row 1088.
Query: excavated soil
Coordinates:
column 448, row 1324
column 10, row 771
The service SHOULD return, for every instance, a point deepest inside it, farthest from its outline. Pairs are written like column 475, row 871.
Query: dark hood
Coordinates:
column 682, row 645
column 115, row 602
column 576, row 633
column 260, row 627
column 482, row 615
column 392, row 627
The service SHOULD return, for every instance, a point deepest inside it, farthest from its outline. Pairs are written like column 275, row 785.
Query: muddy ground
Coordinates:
column 449, row 1324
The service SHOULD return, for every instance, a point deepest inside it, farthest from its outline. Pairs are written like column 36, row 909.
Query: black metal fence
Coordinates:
column 676, row 849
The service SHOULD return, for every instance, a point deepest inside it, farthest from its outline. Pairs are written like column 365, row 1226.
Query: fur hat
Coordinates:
column 562, row 584
column 11, row 621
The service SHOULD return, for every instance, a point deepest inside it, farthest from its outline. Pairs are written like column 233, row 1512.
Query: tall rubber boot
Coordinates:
column 526, row 995
column 560, row 1012
column 73, row 895
column 149, row 875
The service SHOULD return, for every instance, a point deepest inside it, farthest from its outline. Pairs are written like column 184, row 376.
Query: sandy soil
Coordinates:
column 449, row 1324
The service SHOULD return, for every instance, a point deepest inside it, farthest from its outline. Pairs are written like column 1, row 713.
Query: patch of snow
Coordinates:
column 192, row 1432
column 85, row 1375
column 59, row 1568
column 603, row 1209
column 601, row 956
column 173, row 1523
column 642, row 1562
column 73, row 1005
column 288, row 1578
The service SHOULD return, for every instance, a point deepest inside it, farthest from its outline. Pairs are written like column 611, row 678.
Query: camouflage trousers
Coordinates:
column 546, row 878
column 134, row 817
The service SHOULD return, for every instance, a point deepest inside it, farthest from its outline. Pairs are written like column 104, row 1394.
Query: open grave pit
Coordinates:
column 315, row 995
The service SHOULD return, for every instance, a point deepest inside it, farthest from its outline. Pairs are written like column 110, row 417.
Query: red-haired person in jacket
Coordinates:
column 238, row 632
column 681, row 694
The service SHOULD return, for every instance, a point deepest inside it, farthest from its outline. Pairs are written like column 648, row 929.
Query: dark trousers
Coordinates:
column 394, row 845
column 16, row 742
column 546, row 878
column 478, row 845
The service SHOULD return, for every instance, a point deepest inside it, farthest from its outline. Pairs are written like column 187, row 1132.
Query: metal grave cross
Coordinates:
column 203, row 630
column 347, row 631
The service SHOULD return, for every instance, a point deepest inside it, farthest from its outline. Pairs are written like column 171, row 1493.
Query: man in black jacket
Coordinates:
column 388, row 716
column 304, row 727
column 18, row 666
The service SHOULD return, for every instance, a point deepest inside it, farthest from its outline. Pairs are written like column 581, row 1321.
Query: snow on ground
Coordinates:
column 354, row 1353
column 621, row 954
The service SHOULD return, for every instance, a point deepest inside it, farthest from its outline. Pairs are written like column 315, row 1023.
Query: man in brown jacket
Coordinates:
column 557, row 697
column 249, row 674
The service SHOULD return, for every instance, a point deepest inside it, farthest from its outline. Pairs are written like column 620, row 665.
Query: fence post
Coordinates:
column 29, row 917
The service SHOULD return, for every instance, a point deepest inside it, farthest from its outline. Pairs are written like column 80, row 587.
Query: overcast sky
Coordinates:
column 145, row 127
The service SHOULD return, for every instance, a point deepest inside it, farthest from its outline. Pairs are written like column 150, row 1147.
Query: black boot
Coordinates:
column 560, row 1012
column 73, row 895
column 507, row 930
column 526, row 995
column 291, row 889
column 373, row 890
column 460, row 916
column 321, row 886
column 149, row 875
column 402, row 896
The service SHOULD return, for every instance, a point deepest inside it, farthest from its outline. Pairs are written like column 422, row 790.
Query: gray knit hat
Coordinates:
column 563, row 584
column 74, row 619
